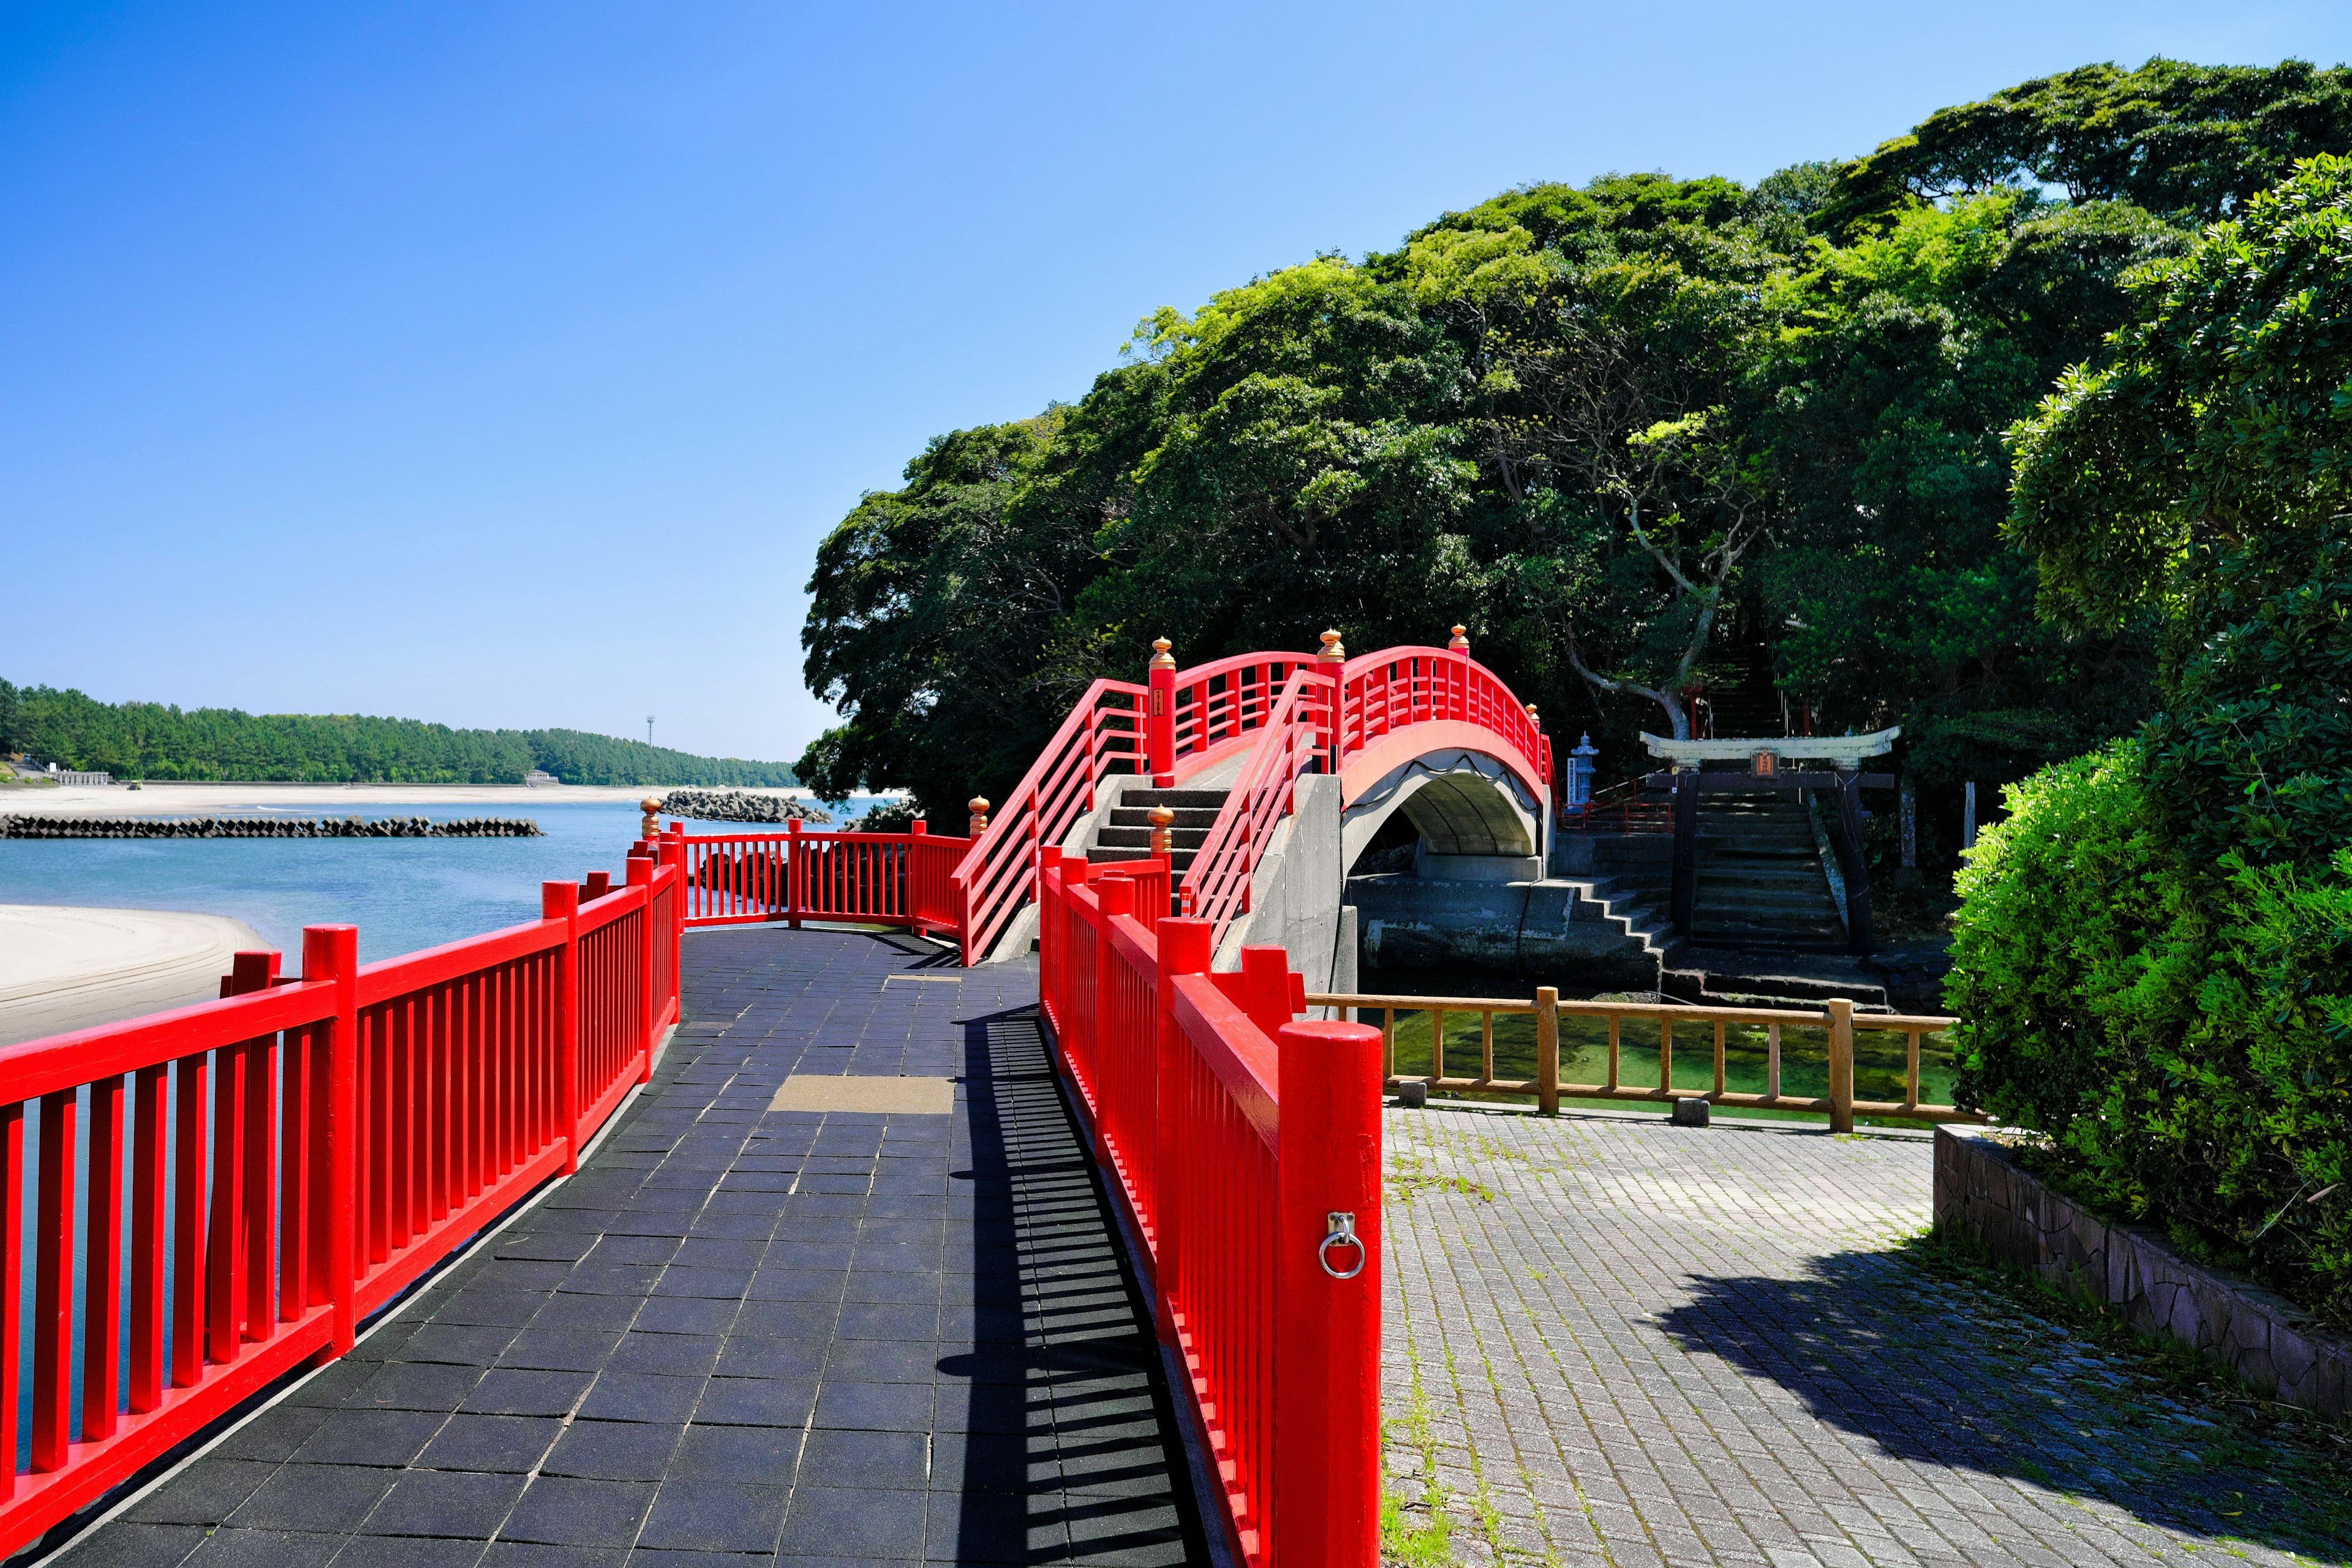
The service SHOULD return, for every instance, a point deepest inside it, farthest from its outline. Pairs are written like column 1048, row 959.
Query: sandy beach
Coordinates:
column 66, row 968
column 316, row 799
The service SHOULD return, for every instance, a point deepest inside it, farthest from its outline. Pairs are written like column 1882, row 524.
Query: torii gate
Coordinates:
column 1368, row 720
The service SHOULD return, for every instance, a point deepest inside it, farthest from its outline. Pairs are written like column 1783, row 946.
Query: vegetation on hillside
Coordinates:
column 2155, row 953
column 150, row 740
column 1630, row 434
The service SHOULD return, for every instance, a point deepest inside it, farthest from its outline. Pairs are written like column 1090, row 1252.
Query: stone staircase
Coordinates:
column 1126, row 831
column 1760, row 887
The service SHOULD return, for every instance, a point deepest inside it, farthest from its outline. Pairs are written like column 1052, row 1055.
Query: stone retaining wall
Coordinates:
column 1981, row 1192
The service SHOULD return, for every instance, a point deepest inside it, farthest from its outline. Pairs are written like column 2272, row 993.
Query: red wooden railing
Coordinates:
column 1294, row 741
column 1103, row 735
column 1619, row 808
column 260, row 1172
column 1244, row 1148
column 1323, row 722
column 1383, row 693
column 1216, row 708
column 870, row 878
column 1194, row 718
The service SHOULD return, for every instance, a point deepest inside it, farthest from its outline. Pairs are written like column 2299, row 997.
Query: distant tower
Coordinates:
column 649, row 728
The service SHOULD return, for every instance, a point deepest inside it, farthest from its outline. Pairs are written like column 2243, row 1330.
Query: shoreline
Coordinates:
column 73, row 966
column 212, row 798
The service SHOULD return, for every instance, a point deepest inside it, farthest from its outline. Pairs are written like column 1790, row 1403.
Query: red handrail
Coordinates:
column 1374, row 695
column 1235, row 1137
column 1294, row 740
column 1102, row 734
column 1218, row 705
column 355, row 1125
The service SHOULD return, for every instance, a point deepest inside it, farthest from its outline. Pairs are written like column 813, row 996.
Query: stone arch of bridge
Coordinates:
column 1472, row 808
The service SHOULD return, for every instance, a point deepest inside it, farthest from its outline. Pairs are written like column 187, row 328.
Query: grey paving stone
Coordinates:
column 861, row 1524
column 233, row 1547
column 358, row 1437
column 613, row 1451
column 446, row 1502
column 313, row 1497
column 408, row 1551
column 515, row 1391
column 642, row 1396
column 506, row 1444
column 758, row 1401
column 205, row 1493
column 716, row 1516
column 557, row 1511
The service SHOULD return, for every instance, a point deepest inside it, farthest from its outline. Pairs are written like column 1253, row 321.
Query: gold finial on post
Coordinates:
column 978, row 807
column 1533, row 717
column 1334, row 650
column 1461, row 643
column 651, row 805
column 1160, row 658
column 1163, row 842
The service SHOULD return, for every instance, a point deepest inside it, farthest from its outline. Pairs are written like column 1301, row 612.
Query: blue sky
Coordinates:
column 503, row 364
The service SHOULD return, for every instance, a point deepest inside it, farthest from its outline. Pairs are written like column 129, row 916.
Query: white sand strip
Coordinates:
column 69, row 968
column 312, row 799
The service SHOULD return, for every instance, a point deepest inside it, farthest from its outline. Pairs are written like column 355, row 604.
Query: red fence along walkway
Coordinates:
column 1245, row 1149
column 870, row 878
column 258, row 1173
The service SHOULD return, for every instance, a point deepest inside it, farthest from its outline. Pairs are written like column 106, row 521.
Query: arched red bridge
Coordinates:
column 1236, row 735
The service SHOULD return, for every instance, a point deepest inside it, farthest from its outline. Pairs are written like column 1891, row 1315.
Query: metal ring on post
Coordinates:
column 1342, row 1232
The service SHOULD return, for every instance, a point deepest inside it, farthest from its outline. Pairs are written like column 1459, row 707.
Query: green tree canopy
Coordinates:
column 2203, row 474
column 151, row 741
column 2191, row 142
column 1642, row 436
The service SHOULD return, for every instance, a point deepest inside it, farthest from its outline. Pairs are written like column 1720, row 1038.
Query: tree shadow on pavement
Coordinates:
column 1951, row 1364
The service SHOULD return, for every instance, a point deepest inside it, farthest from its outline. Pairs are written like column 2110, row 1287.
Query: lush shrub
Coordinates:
column 2183, row 1035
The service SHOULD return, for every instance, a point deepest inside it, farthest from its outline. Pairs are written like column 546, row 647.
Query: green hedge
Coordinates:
column 2184, row 1036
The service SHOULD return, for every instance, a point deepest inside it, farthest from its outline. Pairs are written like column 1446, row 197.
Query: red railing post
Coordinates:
column 919, row 830
column 12, row 1282
column 53, row 1270
column 1160, row 715
column 1332, row 661
column 332, row 953
column 560, row 901
column 673, row 855
column 792, row 872
column 1115, row 896
column 1265, row 988
column 1184, row 949
column 641, row 875
column 1327, row 1318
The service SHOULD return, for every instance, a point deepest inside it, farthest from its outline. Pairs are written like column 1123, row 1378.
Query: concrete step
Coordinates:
column 1179, row 799
column 1194, row 818
column 1122, row 838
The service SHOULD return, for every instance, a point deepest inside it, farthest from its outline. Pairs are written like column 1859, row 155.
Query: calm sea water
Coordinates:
column 403, row 893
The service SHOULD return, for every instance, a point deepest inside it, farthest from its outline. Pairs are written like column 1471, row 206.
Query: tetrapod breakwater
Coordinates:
column 265, row 827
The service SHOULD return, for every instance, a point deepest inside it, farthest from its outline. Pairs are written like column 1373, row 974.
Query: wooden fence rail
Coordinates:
column 1632, row 1021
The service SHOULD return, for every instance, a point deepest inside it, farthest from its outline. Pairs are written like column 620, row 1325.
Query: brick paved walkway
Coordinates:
column 741, row 1334
column 1619, row 1342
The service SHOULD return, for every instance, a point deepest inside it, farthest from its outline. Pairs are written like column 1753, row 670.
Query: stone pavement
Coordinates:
column 1610, row 1341
column 741, row 1335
